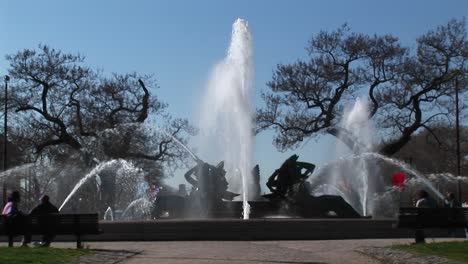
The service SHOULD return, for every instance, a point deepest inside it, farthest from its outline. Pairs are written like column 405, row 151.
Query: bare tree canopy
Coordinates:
column 439, row 146
column 407, row 89
column 60, row 101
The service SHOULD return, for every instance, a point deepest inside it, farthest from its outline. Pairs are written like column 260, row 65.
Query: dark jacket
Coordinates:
column 44, row 208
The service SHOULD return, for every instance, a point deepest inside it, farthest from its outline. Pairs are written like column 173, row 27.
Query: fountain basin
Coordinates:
column 252, row 229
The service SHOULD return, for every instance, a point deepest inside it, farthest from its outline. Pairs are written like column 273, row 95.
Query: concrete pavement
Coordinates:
column 245, row 252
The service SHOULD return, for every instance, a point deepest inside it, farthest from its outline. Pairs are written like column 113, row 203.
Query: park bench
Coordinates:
column 59, row 224
column 442, row 218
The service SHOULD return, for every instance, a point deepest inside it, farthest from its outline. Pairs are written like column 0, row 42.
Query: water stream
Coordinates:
column 142, row 207
column 122, row 164
column 226, row 113
column 108, row 214
column 407, row 168
column 322, row 185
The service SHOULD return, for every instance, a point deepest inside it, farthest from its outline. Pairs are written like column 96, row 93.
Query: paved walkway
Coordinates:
column 243, row 252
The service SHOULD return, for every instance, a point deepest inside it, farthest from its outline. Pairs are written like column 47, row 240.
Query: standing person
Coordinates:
column 11, row 207
column 450, row 201
column 424, row 201
column 42, row 210
column 16, row 220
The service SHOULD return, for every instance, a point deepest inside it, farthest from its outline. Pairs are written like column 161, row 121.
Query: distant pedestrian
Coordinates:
column 450, row 201
column 424, row 201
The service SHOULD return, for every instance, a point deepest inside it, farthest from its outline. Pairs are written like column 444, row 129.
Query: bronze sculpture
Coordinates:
column 282, row 181
column 209, row 181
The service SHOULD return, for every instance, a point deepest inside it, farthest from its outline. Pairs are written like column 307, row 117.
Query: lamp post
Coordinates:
column 457, row 129
column 5, row 136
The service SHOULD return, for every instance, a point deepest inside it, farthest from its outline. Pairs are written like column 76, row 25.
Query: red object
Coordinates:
column 398, row 179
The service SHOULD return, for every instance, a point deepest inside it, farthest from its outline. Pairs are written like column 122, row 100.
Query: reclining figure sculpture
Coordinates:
column 282, row 181
column 291, row 192
column 210, row 181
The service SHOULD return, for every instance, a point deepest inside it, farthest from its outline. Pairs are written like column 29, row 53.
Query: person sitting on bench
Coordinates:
column 42, row 210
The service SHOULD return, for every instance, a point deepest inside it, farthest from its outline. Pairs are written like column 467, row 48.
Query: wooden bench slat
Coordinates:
column 411, row 217
column 62, row 224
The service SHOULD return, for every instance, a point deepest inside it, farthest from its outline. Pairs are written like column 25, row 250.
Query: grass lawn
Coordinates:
column 40, row 255
column 457, row 250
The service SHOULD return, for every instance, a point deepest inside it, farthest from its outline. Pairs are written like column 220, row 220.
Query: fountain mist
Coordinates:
column 142, row 206
column 120, row 164
column 108, row 214
column 16, row 170
column 405, row 167
column 226, row 114
column 386, row 201
column 357, row 128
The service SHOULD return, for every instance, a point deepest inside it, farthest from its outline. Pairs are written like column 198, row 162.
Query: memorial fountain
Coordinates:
column 226, row 186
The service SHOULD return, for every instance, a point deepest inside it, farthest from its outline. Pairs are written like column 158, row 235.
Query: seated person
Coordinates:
column 47, row 226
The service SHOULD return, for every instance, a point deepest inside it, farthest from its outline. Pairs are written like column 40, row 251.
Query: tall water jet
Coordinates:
column 226, row 113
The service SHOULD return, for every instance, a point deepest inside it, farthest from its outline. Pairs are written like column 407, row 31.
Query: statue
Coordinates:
column 291, row 193
column 209, row 184
column 255, row 189
column 283, row 180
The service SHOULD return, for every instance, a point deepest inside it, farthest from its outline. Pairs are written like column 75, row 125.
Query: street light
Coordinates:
column 457, row 129
column 5, row 137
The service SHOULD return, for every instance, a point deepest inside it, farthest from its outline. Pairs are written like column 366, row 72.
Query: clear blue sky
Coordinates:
column 180, row 41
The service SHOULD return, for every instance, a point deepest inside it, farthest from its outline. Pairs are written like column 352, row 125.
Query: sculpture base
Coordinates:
column 325, row 206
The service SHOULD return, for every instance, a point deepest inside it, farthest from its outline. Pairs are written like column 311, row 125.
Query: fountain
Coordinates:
column 225, row 133
column 386, row 200
column 356, row 174
column 352, row 185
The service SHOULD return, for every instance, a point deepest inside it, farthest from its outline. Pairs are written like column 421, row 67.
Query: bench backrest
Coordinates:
column 433, row 217
column 61, row 223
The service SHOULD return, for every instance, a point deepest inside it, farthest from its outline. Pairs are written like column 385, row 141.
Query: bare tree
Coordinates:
column 69, row 116
column 438, row 146
column 62, row 102
column 407, row 90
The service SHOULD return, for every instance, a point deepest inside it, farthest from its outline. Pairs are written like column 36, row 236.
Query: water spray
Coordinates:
column 195, row 157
